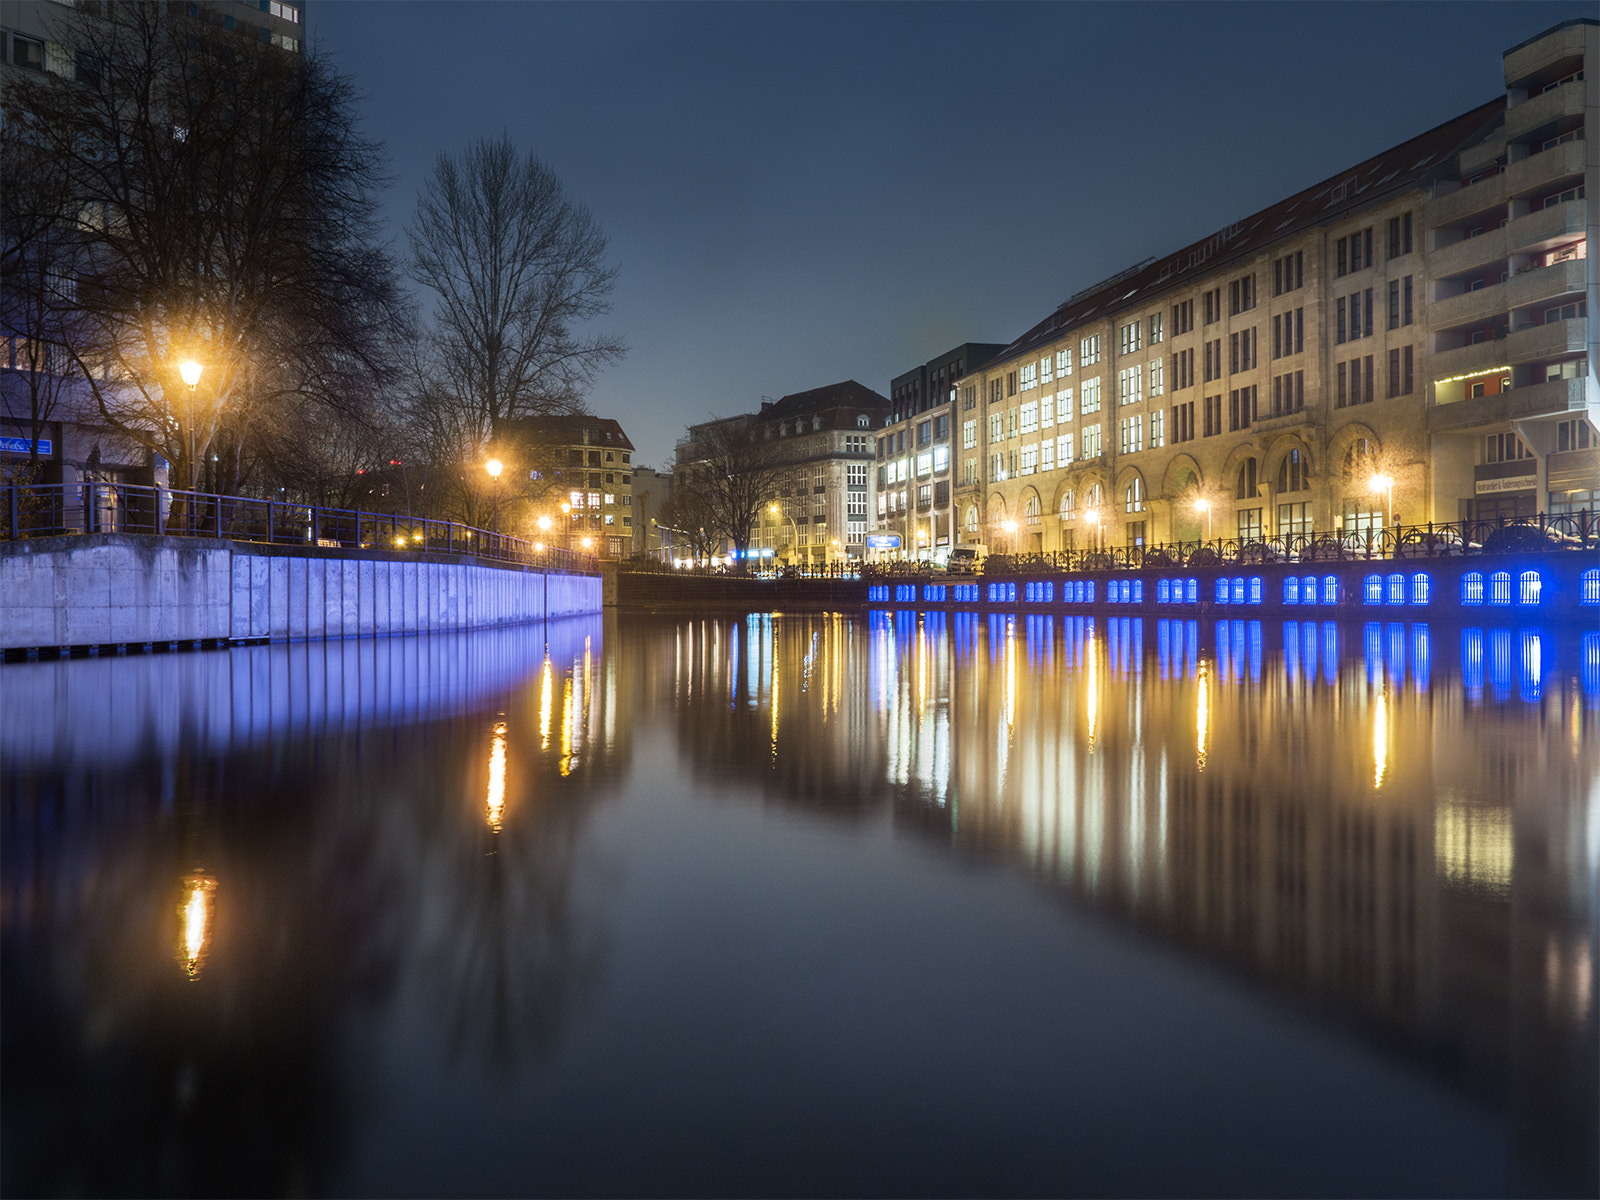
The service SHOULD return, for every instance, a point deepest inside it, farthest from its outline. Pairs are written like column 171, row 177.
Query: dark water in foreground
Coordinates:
column 808, row 904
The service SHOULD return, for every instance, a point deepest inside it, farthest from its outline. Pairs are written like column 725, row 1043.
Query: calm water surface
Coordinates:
column 808, row 904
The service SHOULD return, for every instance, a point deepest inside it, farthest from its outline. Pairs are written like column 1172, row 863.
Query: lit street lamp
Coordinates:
column 190, row 370
column 1011, row 528
column 494, row 466
column 1204, row 506
column 1385, row 484
column 566, row 514
column 1092, row 517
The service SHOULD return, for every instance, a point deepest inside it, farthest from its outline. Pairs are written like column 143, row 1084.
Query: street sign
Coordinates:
column 883, row 541
column 10, row 445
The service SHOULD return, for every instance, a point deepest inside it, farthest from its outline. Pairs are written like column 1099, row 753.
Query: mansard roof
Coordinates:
column 1361, row 186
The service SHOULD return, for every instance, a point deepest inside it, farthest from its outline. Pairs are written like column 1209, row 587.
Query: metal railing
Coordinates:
column 50, row 510
column 1542, row 533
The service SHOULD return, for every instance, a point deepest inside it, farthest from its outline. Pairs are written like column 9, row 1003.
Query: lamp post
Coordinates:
column 190, row 370
column 566, row 513
column 494, row 466
column 1011, row 528
column 1385, row 484
column 776, row 512
column 1092, row 517
column 1203, row 505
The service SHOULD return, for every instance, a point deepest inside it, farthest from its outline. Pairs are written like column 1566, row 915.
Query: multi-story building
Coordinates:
column 1421, row 317
column 809, row 455
column 916, row 454
column 44, row 405
column 652, row 494
column 823, row 439
column 585, row 463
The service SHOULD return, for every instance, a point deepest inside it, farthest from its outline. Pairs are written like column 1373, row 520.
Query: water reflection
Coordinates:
column 1347, row 827
column 1387, row 824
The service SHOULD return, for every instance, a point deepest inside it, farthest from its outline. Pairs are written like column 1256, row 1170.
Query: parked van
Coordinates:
column 967, row 559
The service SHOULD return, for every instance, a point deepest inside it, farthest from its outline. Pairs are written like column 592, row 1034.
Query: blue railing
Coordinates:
column 50, row 510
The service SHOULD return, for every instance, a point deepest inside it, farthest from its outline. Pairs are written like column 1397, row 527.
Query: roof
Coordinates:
column 1349, row 191
column 568, row 430
column 848, row 394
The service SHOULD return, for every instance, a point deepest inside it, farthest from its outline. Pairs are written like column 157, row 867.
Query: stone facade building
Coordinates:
column 586, row 463
column 1420, row 317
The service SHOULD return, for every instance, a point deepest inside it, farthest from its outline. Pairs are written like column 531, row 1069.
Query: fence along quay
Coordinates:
column 111, row 568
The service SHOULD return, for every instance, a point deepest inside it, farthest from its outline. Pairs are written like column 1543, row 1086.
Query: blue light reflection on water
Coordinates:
column 1054, row 797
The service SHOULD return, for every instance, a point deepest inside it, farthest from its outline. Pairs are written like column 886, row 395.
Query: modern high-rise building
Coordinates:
column 1406, row 341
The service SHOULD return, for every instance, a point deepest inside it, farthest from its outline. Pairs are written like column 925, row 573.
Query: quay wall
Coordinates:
column 111, row 589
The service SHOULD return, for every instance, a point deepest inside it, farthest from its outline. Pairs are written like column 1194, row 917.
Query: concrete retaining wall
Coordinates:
column 113, row 589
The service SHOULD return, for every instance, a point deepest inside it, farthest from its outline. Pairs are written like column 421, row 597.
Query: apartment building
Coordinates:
column 916, row 455
column 1416, row 317
column 45, row 407
column 585, row 463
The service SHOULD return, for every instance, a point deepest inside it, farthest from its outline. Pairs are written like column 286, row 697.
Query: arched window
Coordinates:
column 1528, row 588
column 1030, row 509
column 972, row 520
column 1094, row 497
column 1359, row 460
column 1069, row 506
column 1133, row 499
column 1247, row 481
column 1295, row 473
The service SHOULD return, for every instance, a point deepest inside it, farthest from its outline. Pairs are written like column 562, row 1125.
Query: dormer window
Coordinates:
column 863, row 422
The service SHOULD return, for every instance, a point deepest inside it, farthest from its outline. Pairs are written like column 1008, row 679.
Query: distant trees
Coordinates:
column 727, row 474
column 214, row 201
column 515, row 268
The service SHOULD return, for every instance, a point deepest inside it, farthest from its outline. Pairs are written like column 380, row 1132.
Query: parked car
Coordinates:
column 1254, row 553
column 967, row 560
column 1159, row 559
column 1331, row 547
column 1431, row 543
column 1205, row 556
column 1528, row 539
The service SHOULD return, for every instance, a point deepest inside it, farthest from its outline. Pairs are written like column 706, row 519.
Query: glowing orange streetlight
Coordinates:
column 190, row 370
column 1203, row 505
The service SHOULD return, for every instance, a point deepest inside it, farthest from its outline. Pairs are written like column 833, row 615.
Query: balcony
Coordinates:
column 1468, row 308
column 1542, row 53
column 1546, row 283
column 1464, row 202
column 1551, row 224
column 1540, row 171
column 1525, row 345
column 1541, row 399
column 1460, row 257
column 1565, row 101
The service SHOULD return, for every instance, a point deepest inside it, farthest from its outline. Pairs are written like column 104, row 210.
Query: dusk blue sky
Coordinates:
column 800, row 194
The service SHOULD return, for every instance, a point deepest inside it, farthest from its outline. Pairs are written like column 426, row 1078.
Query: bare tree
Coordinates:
column 516, row 267
column 729, row 471
column 222, row 207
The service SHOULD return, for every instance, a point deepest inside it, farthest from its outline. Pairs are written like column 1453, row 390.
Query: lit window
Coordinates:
column 1372, row 589
column 1500, row 588
column 1528, row 588
column 1472, row 588
column 1291, row 589
column 1420, row 585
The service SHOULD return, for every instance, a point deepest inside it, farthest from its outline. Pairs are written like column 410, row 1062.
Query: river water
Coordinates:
column 808, row 904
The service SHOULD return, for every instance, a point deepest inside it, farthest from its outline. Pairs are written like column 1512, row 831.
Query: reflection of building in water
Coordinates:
column 772, row 700
column 1311, row 802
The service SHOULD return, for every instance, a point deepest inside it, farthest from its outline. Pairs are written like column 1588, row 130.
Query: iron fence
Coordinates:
column 48, row 510
column 1544, row 532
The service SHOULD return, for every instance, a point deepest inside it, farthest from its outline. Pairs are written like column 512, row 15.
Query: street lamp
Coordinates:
column 494, row 466
column 190, row 370
column 1385, row 484
column 566, row 513
column 1011, row 528
column 1092, row 517
column 1204, row 506
column 776, row 512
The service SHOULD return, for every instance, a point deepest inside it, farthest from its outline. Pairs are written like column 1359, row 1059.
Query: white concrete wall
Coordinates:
column 110, row 588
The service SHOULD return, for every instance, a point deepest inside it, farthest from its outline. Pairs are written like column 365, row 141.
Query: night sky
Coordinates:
column 799, row 194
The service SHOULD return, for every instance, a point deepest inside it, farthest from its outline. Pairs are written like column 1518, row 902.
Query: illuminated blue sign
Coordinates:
column 883, row 541
column 11, row 445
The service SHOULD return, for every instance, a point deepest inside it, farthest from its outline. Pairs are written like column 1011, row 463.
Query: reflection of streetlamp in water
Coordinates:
column 196, row 916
